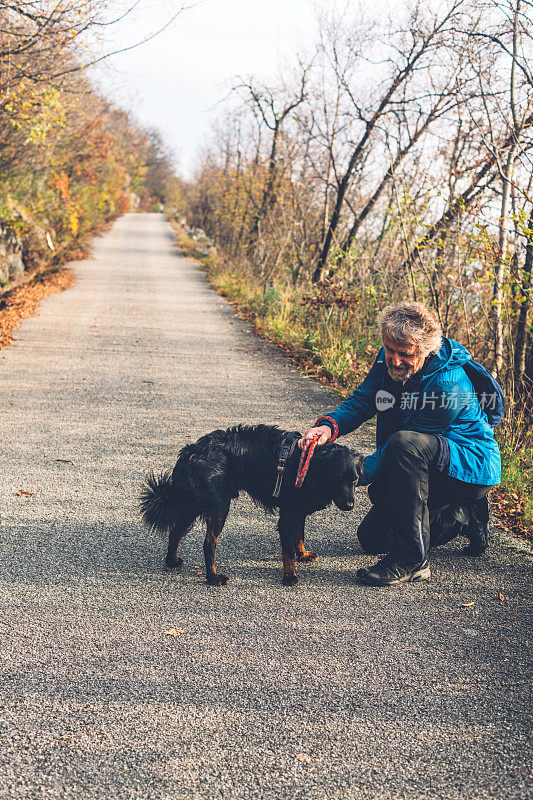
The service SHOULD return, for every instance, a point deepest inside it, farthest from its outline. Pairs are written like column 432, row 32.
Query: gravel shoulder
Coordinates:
column 328, row 690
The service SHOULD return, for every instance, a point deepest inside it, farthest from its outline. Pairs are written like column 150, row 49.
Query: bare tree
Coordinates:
column 272, row 107
column 420, row 41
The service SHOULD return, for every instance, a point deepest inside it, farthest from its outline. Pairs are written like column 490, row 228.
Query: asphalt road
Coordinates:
column 325, row 690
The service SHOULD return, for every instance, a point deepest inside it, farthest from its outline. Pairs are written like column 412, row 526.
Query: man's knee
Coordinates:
column 406, row 439
column 412, row 442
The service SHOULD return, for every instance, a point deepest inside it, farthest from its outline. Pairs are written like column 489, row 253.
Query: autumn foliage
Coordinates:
column 70, row 160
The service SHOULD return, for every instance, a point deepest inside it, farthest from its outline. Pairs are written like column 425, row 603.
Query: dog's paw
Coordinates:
column 290, row 579
column 218, row 580
column 174, row 564
column 309, row 555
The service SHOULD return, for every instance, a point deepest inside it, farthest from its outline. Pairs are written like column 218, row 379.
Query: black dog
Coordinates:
column 211, row 472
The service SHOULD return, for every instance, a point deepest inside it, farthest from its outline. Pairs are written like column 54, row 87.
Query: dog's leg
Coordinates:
column 302, row 553
column 177, row 532
column 287, row 526
column 172, row 561
column 214, row 528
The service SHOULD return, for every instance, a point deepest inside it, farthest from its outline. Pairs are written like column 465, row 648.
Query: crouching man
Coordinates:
column 436, row 456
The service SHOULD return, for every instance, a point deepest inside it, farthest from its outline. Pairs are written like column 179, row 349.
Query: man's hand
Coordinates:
column 324, row 431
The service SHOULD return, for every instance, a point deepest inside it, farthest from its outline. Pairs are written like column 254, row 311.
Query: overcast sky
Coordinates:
column 175, row 81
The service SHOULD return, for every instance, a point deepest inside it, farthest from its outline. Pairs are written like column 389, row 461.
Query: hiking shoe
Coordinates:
column 388, row 572
column 450, row 522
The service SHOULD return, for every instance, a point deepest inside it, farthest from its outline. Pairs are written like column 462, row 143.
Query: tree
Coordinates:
column 413, row 49
column 271, row 108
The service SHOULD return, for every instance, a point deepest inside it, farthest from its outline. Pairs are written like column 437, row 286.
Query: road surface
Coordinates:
column 120, row 680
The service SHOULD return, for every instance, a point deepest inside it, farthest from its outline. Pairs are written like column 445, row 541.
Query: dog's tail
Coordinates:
column 158, row 502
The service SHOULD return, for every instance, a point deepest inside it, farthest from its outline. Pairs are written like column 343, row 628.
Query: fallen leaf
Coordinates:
column 173, row 632
column 303, row 757
column 24, row 493
column 502, row 598
column 467, row 605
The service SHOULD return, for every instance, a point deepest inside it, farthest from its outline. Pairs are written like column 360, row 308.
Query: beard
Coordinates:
column 401, row 374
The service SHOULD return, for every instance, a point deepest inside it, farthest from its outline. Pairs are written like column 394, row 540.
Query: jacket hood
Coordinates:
column 451, row 355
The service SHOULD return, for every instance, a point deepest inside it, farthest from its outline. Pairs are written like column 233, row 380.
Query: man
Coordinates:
column 437, row 457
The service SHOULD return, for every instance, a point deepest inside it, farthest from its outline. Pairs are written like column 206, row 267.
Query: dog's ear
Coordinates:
column 358, row 462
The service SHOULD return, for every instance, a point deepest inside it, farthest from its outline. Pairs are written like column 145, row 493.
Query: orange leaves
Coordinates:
column 101, row 144
column 508, row 512
column 21, row 302
column 24, row 493
column 60, row 182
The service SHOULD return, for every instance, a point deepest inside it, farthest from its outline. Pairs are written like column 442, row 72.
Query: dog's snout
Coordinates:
column 345, row 505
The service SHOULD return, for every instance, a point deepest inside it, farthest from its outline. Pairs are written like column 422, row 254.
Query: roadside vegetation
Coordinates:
column 394, row 162
column 70, row 161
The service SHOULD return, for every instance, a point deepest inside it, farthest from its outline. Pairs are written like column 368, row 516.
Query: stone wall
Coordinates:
column 11, row 264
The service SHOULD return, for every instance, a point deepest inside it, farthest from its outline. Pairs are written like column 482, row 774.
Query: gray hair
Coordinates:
column 410, row 322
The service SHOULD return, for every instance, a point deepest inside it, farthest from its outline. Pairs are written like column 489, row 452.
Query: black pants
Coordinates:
column 408, row 496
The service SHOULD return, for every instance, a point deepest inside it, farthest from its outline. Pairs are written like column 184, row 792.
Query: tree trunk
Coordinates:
column 525, row 305
column 464, row 200
column 269, row 196
column 499, row 272
column 345, row 181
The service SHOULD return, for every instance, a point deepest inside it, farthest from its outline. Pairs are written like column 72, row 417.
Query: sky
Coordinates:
column 177, row 81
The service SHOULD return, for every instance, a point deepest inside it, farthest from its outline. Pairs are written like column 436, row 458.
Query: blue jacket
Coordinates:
column 439, row 399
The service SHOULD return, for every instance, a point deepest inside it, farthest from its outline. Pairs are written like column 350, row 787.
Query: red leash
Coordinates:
column 307, row 453
column 305, row 459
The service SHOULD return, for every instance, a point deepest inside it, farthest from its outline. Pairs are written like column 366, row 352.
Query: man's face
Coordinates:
column 402, row 360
